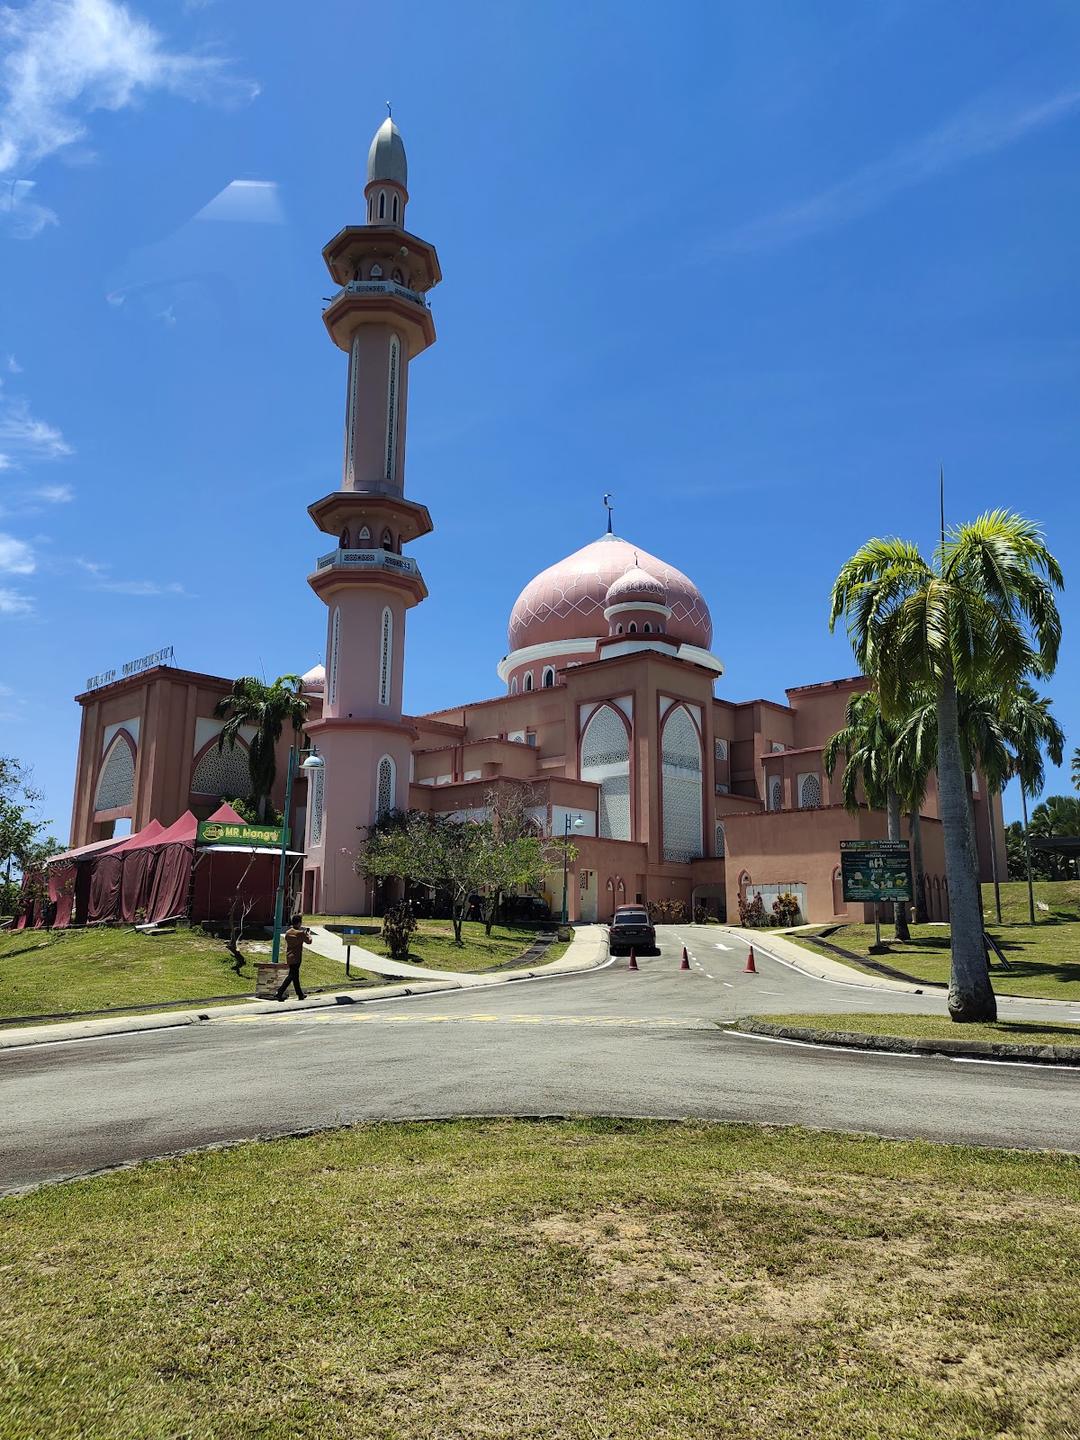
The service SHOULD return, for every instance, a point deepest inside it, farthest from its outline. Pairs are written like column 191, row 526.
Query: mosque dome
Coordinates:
column 386, row 158
column 637, row 584
column 567, row 600
column 313, row 680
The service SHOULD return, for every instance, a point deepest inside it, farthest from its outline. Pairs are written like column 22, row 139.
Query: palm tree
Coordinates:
column 1076, row 768
column 266, row 707
column 1057, row 816
column 867, row 742
column 980, row 615
column 1031, row 730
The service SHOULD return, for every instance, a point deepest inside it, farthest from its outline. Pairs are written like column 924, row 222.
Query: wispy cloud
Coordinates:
column 102, row 580
column 20, row 216
column 990, row 125
column 12, row 366
column 16, row 557
column 54, row 494
column 25, row 439
column 13, row 603
column 64, row 59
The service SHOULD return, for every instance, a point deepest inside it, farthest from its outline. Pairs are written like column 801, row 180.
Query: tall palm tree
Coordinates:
column 268, row 708
column 980, row 615
column 1031, row 730
column 867, row 742
column 1057, row 816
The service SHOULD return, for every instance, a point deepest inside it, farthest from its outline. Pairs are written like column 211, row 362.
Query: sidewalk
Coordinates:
column 586, row 951
column 823, row 967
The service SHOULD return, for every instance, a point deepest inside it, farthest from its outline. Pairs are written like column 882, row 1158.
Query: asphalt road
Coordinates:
column 609, row 1042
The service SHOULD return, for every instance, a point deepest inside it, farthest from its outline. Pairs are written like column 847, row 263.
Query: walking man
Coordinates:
column 295, row 939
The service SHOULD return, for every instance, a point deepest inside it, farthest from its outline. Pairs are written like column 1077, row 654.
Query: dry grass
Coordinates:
column 469, row 1281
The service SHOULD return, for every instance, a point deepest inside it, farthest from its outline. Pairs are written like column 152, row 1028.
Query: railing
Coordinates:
column 382, row 287
column 373, row 558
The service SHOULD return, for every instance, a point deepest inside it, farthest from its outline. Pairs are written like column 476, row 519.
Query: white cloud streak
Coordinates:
column 26, row 440
column 66, row 58
column 980, row 129
column 14, row 604
column 16, row 557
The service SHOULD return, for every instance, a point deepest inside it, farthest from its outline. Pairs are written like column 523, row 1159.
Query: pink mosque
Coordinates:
column 607, row 708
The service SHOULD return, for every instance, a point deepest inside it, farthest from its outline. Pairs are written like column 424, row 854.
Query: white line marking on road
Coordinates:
column 813, row 1045
column 1016, row 1064
column 727, row 984
column 721, row 947
column 707, row 975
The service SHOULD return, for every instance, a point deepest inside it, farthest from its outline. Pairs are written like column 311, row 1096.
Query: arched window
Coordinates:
column 382, row 204
column 605, row 760
column 384, row 789
column 720, row 750
column 363, row 536
column 549, row 677
column 721, row 843
column 335, row 636
column 527, row 683
column 315, row 804
column 618, row 629
column 646, row 628
column 391, row 407
column 386, row 657
column 222, row 773
column 343, row 539
column 396, row 275
column 513, row 685
column 839, row 904
column 116, row 783
column 350, row 407
column 680, row 755
column 809, row 792
column 632, row 630
column 387, row 540
column 395, row 209
column 776, row 793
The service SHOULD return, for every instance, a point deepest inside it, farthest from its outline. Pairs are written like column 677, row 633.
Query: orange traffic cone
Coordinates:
column 750, row 968
column 685, row 960
column 633, row 960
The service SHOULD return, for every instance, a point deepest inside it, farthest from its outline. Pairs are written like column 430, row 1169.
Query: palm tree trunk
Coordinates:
column 994, row 864
column 892, row 811
column 971, row 996
column 1027, row 855
column 922, row 914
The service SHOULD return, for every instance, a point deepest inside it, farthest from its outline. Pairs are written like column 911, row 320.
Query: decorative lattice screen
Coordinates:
column 681, row 760
column 116, row 784
column 605, row 760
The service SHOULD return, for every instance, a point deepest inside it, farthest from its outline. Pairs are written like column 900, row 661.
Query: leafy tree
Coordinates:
column 868, row 744
column 1056, row 817
column 432, row 850
column 518, row 855
column 981, row 615
column 22, row 846
column 268, row 708
column 1076, row 768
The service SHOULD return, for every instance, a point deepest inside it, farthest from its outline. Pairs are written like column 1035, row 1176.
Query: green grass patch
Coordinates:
column 1060, row 897
column 433, row 943
column 548, row 1281
column 933, row 1027
column 48, row 972
column 1044, row 960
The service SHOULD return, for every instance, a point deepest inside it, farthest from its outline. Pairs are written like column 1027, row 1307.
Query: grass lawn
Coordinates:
column 433, row 942
column 548, row 1281
column 934, row 1027
column 1061, row 898
column 46, row 972
column 1045, row 959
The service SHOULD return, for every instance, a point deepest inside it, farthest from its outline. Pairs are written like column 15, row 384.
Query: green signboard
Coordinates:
column 219, row 832
column 874, row 870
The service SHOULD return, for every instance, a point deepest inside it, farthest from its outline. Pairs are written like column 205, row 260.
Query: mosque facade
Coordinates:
column 607, row 711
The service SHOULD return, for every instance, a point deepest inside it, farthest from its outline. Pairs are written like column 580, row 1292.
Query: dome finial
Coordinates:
column 609, row 508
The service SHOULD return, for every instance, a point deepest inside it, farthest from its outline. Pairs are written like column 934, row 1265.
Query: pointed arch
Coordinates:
column 116, row 779
column 721, row 841
column 224, row 773
column 393, row 383
column 548, row 678
column 332, row 668
column 605, row 760
column 315, row 805
column 385, row 786
column 681, row 770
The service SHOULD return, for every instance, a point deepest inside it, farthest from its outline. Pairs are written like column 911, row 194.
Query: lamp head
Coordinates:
column 314, row 761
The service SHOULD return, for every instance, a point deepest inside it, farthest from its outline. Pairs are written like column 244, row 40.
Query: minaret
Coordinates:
column 380, row 318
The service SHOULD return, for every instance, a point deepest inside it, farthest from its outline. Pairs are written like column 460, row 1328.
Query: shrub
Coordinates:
column 666, row 912
column 398, row 928
column 701, row 913
column 752, row 914
column 786, row 909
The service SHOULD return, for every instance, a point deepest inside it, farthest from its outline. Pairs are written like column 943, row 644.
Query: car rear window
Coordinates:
column 632, row 917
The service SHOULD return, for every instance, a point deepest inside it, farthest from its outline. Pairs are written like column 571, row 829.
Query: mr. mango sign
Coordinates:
column 218, row 832
column 874, row 870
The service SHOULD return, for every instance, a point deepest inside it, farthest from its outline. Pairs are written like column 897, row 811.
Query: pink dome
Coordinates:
column 636, row 584
column 566, row 601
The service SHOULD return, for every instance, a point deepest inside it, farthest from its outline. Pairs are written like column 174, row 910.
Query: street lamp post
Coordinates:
column 312, row 761
column 578, row 823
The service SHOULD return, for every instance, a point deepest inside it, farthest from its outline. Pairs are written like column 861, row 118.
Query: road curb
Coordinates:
column 913, row 1045
column 30, row 1034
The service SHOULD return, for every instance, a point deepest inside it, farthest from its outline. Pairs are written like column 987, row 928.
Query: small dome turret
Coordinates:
column 636, row 584
column 386, row 158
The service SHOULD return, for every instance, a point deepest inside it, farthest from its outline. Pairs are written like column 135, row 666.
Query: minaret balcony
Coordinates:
column 372, row 558
column 362, row 301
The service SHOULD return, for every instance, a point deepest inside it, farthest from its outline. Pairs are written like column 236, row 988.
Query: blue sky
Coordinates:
column 757, row 269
